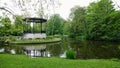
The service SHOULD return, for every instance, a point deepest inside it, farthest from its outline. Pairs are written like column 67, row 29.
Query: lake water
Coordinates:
column 83, row 49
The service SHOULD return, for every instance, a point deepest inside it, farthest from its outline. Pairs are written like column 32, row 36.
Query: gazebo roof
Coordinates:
column 36, row 20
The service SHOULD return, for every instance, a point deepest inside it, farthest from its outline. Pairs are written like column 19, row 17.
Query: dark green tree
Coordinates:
column 111, row 27
column 97, row 12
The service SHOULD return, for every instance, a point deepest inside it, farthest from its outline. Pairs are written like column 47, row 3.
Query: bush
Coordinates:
column 53, row 36
column 13, row 38
column 70, row 54
column 49, row 37
column 56, row 36
column 115, row 59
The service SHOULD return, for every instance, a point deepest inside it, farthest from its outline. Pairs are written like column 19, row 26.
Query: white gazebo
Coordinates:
column 30, row 33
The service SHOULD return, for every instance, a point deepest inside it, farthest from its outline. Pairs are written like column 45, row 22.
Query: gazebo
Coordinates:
column 34, row 28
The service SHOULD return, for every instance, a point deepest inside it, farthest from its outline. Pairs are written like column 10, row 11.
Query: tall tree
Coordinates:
column 6, row 26
column 55, row 25
column 96, row 14
column 66, row 27
column 18, row 26
column 78, row 24
column 111, row 27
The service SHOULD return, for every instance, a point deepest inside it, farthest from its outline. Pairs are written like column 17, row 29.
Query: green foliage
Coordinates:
column 6, row 40
column 17, row 28
column 78, row 23
column 97, row 12
column 66, row 28
column 70, row 54
column 13, row 38
column 99, row 21
column 6, row 27
column 111, row 27
column 115, row 59
column 55, row 25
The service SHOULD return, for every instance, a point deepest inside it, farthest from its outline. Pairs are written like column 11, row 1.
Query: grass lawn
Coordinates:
column 22, row 61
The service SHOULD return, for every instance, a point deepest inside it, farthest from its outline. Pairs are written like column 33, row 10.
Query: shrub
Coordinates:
column 13, row 38
column 70, row 54
column 115, row 59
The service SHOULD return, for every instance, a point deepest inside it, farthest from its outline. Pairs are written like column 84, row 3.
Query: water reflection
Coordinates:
column 11, row 49
column 35, row 51
column 83, row 49
column 2, row 50
column 96, row 49
column 63, row 55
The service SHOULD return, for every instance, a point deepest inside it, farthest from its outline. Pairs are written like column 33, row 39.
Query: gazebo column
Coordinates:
column 41, row 27
column 30, row 28
column 27, row 27
column 45, row 28
column 33, row 28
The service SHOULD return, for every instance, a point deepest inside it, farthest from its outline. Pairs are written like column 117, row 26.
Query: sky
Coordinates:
column 66, row 5
column 63, row 9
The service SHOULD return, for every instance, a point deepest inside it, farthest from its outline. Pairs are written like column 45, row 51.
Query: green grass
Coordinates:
column 36, row 41
column 22, row 61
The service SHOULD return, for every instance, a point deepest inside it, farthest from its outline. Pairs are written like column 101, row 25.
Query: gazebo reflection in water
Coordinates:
column 36, row 51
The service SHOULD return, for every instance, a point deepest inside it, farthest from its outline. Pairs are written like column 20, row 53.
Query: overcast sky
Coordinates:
column 64, row 9
column 66, row 5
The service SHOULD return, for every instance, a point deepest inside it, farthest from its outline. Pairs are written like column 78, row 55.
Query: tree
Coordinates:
column 78, row 23
column 111, row 27
column 6, row 27
column 18, row 26
column 66, row 27
column 55, row 25
column 95, row 16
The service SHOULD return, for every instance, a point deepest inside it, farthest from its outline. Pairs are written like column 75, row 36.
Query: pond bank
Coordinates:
column 37, row 41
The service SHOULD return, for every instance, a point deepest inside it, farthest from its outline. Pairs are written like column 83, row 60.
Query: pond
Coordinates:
column 83, row 49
